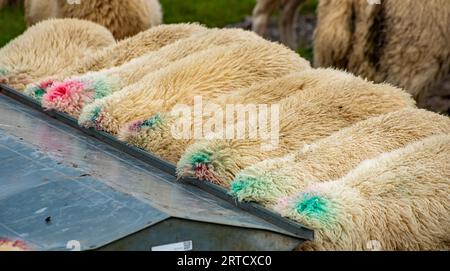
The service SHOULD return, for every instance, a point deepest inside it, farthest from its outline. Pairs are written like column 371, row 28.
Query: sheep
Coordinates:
column 396, row 201
column 405, row 43
column 50, row 47
column 128, row 49
column 211, row 72
column 122, row 18
column 332, row 157
column 158, row 138
column 336, row 100
column 118, row 54
column 73, row 94
column 264, row 8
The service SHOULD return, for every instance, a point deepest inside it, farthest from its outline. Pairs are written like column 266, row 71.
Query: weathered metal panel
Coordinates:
column 204, row 237
column 43, row 156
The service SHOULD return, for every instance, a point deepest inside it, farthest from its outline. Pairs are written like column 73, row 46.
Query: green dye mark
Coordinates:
column 3, row 71
column 312, row 205
column 249, row 188
column 96, row 113
column 241, row 183
column 35, row 93
column 102, row 88
column 39, row 92
column 152, row 122
column 200, row 158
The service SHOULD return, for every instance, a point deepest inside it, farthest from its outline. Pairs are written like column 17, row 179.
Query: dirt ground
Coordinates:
column 439, row 97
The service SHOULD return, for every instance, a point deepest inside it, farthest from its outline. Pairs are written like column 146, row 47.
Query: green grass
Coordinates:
column 306, row 52
column 309, row 7
column 12, row 23
column 213, row 13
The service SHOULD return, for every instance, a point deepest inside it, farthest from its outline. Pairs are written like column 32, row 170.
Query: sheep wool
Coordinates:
column 158, row 139
column 72, row 94
column 396, row 201
column 124, row 18
column 209, row 73
column 118, row 54
column 337, row 100
column 144, row 42
column 405, row 43
column 48, row 48
column 334, row 156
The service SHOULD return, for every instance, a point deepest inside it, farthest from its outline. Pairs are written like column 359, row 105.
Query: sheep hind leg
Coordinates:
column 288, row 22
column 261, row 15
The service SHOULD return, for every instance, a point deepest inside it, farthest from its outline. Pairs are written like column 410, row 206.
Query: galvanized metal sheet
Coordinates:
column 51, row 209
column 41, row 157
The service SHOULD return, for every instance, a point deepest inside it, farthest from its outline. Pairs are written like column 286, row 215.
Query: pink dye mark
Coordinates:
column 203, row 173
column 3, row 79
column 46, row 84
column 8, row 245
column 68, row 96
column 64, row 90
column 135, row 127
column 130, row 129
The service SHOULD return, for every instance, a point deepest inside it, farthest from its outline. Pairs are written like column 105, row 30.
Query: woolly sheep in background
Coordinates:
column 405, row 43
column 124, row 18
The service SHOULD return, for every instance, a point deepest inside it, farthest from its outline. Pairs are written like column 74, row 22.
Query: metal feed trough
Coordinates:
column 63, row 187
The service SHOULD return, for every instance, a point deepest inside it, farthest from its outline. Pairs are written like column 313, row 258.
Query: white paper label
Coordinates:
column 182, row 246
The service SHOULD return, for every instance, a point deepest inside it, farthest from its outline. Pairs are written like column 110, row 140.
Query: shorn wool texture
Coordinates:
column 124, row 18
column 158, row 138
column 334, row 156
column 209, row 73
column 118, row 54
column 74, row 93
column 405, row 43
column 336, row 100
column 49, row 48
column 397, row 201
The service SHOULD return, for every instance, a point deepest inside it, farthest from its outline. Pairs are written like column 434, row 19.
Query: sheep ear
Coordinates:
column 334, row 33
